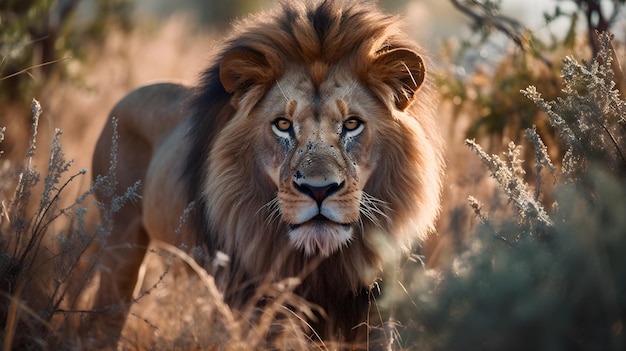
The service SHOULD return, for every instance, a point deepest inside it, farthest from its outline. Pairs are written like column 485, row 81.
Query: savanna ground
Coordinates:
column 534, row 260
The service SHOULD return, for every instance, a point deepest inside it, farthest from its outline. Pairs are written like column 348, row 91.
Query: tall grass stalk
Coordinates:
column 47, row 254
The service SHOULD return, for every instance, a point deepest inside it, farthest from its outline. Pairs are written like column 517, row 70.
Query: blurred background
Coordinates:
column 80, row 56
column 110, row 47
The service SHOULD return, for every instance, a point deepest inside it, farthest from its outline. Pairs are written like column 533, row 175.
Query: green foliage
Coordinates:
column 488, row 93
column 35, row 35
column 546, row 278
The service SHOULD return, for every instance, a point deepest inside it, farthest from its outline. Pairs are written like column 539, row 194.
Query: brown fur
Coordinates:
column 316, row 65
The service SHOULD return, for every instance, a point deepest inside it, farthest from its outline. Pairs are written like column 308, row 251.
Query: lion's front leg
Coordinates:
column 121, row 260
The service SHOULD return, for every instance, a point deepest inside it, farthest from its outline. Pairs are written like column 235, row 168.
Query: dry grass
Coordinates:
column 40, row 216
column 164, row 318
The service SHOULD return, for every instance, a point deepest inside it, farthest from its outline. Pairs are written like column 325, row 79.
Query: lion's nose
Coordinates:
column 318, row 192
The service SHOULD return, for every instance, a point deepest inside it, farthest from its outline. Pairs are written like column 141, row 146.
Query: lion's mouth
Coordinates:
column 319, row 219
column 320, row 235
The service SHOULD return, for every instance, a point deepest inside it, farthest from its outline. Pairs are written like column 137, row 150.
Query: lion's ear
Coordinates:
column 241, row 69
column 402, row 70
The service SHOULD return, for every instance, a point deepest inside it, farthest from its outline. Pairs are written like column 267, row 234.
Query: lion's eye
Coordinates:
column 352, row 125
column 282, row 127
column 282, row 124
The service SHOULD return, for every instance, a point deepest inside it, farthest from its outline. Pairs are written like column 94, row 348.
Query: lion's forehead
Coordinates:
column 318, row 121
column 301, row 98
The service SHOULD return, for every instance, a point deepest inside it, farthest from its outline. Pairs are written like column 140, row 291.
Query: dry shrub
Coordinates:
column 545, row 277
column 46, row 247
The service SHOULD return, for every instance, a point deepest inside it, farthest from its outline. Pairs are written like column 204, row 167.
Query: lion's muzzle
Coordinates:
column 318, row 192
column 316, row 204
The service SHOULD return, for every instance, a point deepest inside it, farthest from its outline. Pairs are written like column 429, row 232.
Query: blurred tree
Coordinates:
column 489, row 94
column 216, row 14
column 219, row 14
column 36, row 34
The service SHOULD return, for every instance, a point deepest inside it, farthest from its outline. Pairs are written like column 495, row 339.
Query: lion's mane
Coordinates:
column 226, row 181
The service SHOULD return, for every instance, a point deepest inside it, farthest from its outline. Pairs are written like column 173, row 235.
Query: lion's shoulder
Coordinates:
column 152, row 111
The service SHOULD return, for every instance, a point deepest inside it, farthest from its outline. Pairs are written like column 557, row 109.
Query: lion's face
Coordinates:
column 320, row 151
column 322, row 144
column 320, row 131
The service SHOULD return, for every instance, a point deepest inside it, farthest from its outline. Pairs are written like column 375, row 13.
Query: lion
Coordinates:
column 310, row 140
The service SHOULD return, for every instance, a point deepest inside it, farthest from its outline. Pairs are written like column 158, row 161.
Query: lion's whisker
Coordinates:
column 371, row 218
column 272, row 209
column 374, row 209
column 361, row 225
column 408, row 70
column 267, row 206
column 375, row 202
column 274, row 216
column 282, row 91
